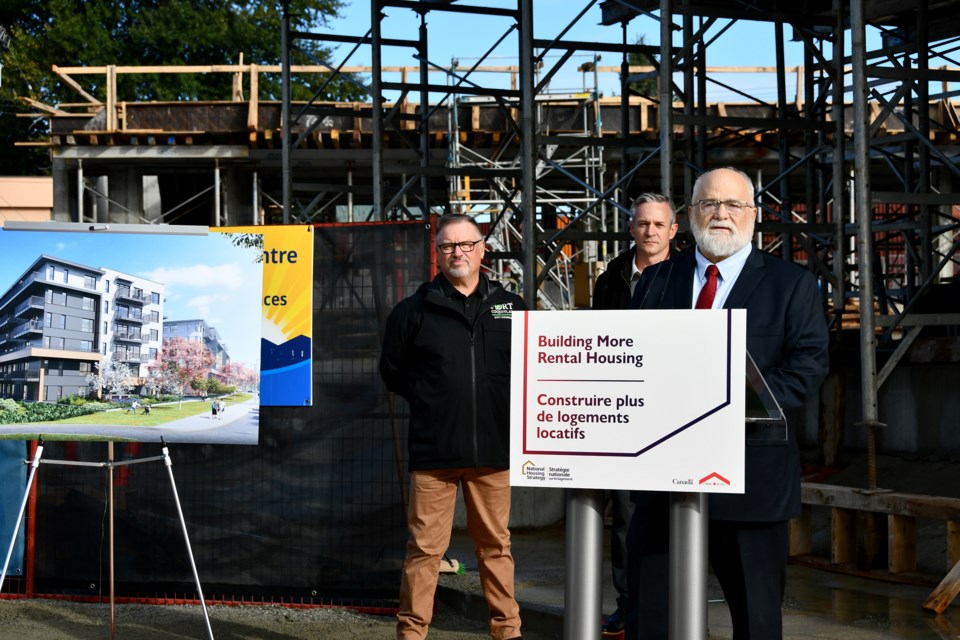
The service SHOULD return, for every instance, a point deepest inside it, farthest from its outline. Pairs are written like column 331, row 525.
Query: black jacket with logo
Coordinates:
column 454, row 373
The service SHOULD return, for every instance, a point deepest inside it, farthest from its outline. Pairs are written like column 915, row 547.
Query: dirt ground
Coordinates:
column 62, row 620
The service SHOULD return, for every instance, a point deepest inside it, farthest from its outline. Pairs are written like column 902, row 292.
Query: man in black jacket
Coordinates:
column 652, row 226
column 446, row 349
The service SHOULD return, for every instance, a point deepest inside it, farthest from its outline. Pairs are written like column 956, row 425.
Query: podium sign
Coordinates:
column 650, row 400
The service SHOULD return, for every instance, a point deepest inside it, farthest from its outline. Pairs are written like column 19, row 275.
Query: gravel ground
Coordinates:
column 64, row 620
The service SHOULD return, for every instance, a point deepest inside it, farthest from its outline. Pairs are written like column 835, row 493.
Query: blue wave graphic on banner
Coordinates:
column 286, row 372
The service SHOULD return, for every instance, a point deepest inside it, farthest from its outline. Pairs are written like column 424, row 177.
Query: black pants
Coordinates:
column 749, row 560
column 622, row 514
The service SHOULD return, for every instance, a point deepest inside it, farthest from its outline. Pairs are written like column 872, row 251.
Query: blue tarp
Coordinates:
column 13, row 479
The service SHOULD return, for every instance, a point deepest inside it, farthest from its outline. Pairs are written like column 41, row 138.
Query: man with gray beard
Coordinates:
column 787, row 338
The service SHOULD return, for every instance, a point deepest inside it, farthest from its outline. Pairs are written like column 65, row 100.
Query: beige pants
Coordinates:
column 433, row 497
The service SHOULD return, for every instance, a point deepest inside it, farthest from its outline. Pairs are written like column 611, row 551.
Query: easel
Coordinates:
column 110, row 464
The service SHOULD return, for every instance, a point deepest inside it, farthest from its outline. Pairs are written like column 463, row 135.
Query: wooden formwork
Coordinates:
column 873, row 530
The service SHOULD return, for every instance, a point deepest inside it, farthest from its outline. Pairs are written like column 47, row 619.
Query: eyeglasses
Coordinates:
column 734, row 207
column 466, row 246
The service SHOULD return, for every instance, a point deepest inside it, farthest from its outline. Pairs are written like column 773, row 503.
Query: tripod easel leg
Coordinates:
column 23, row 507
column 186, row 537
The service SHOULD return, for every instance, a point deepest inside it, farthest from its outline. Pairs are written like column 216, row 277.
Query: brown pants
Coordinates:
column 433, row 495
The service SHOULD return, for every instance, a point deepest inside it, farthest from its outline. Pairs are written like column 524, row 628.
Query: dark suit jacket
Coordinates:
column 612, row 290
column 787, row 337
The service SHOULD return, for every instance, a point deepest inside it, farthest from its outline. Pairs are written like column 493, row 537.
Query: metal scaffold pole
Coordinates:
column 863, row 209
column 528, row 127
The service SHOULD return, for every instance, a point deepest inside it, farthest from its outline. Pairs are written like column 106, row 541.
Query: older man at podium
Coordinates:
column 787, row 338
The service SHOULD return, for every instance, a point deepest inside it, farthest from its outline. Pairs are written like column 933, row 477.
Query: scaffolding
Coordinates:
column 855, row 157
column 855, row 180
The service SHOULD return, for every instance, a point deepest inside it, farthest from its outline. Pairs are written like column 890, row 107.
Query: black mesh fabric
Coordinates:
column 316, row 511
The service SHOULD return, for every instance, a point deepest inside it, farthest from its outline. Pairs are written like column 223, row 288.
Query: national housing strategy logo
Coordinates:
column 532, row 471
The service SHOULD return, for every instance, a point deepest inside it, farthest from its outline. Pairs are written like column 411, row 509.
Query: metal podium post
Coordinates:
column 583, row 583
column 688, row 566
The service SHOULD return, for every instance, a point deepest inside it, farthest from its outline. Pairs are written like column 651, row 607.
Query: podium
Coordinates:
column 765, row 423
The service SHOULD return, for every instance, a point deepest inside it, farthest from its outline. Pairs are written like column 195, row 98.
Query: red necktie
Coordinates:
column 709, row 291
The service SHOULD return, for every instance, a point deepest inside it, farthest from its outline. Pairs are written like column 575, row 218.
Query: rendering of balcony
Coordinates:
column 131, row 295
column 23, row 284
column 29, row 373
column 127, row 356
column 133, row 315
column 31, row 326
column 33, row 303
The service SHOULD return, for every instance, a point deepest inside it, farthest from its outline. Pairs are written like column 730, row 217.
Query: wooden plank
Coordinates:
column 904, row 504
column 801, row 532
column 872, row 540
column 946, row 591
column 253, row 104
column 843, row 539
column 75, row 85
column 43, row 107
column 902, row 546
column 953, row 542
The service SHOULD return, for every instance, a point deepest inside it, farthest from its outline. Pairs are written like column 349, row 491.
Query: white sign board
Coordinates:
column 650, row 400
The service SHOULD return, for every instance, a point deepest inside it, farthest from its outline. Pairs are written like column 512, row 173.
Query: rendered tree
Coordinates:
column 111, row 376
column 238, row 374
column 43, row 33
column 181, row 360
column 160, row 378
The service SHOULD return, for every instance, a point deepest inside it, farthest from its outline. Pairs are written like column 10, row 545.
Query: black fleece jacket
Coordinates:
column 455, row 373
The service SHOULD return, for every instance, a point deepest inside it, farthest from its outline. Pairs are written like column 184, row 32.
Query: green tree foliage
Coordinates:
column 44, row 33
column 648, row 86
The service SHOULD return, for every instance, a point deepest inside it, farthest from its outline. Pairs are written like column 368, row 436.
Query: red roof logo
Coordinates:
column 714, row 476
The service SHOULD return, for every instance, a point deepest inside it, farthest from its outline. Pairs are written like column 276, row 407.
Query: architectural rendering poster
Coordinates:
column 119, row 334
column 286, row 355
column 650, row 400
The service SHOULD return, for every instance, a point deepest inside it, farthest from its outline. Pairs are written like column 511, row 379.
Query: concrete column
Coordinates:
column 63, row 206
column 236, row 199
column 152, row 206
column 126, row 195
column 102, row 206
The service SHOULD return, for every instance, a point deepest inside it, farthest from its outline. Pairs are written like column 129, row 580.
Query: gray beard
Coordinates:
column 459, row 272
column 720, row 245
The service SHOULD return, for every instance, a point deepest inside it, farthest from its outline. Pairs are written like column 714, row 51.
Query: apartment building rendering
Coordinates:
column 199, row 331
column 60, row 320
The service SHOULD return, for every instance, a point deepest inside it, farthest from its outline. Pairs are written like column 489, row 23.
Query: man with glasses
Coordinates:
column 787, row 337
column 653, row 224
column 446, row 349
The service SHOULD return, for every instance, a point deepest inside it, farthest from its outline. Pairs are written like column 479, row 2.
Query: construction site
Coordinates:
column 856, row 165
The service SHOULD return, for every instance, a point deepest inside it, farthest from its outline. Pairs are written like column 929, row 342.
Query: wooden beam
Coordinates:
column 953, row 542
column 801, row 532
column 75, row 86
column 843, row 539
column 946, row 591
column 871, row 540
column 902, row 545
column 904, row 504
column 253, row 105
column 43, row 107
